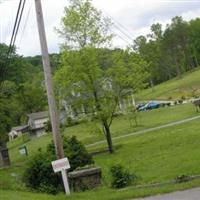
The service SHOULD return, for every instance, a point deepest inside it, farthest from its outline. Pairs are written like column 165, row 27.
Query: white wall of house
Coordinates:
column 40, row 123
column 37, row 123
column 14, row 134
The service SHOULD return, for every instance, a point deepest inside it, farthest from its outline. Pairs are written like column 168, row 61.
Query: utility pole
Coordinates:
column 48, row 82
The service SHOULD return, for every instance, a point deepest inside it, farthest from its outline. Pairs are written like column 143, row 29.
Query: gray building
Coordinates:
column 37, row 122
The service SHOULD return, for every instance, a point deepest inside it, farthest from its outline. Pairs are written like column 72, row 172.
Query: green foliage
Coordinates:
column 83, row 25
column 32, row 96
column 172, row 51
column 83, row 80
column 48, row 127
column 39, row 174
column 75, row 152
column 20, row 91
column 121, row 177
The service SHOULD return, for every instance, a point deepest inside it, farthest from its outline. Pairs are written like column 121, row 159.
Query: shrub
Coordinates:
column 121, row 177
column 75, row 152
column 39, row 174
column 71, row 122
column 48, row 127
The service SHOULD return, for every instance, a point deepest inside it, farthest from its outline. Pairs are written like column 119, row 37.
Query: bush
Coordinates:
column 39, row 174
column 121, row 177
column 75, row 151
column 71, row 122
column 48, row 127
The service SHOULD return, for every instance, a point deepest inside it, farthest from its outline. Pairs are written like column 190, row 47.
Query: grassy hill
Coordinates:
column 158, row 156
column 186, row 86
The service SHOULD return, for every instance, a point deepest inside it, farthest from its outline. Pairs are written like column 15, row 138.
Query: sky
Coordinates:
column 131, row 18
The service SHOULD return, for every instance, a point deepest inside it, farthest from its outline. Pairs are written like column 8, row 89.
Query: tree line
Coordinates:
column 172, row 51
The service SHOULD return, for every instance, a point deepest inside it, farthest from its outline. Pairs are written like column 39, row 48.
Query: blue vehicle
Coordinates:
column 149, row 106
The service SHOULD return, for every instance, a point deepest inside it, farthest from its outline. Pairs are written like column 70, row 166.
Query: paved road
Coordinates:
column 148, row 130
column 193, row 194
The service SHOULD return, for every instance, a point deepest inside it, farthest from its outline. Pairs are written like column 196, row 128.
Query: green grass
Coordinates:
column 175, row 88
column 120, row 126
column 100, row 193
column 156, row 156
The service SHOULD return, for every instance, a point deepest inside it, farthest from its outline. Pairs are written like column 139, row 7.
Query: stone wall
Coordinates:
column 85, row 179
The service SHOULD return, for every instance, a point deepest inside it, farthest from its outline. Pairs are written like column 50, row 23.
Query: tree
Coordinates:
column 84, row 26
column 20, row 90
column 85, row 79
column 82, row 81
column 31, row 95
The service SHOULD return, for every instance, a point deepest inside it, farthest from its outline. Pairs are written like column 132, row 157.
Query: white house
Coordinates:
column 37, row 122
column 17, row 131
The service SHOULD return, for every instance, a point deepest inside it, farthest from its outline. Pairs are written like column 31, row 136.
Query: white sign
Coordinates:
column 59, row 165
column 62, row 165
column 22, row 151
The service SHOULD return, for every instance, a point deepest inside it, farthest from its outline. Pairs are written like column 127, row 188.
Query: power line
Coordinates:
column 18, row 18
column 122, row 29
column 25, row 23
column 14, row 28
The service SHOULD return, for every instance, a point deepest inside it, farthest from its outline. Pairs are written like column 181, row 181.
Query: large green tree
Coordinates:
column 84, row 81
column 83, row 25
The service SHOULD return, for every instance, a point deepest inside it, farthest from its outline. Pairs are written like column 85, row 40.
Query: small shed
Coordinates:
column 4, row 157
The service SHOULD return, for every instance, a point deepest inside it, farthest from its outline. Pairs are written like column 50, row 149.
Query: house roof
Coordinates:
column 38, row 115
column 20, row 128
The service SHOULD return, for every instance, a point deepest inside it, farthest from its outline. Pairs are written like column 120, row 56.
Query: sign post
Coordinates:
column 62, row 165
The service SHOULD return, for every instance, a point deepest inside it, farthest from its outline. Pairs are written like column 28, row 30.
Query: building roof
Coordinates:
column 38, row 115
column 19, row 128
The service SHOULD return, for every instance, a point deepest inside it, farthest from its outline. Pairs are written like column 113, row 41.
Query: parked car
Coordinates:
column 149, row 106
column 138, row 106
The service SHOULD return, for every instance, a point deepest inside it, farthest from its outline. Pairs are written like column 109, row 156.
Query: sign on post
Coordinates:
column 62, row 165
column 23, row 150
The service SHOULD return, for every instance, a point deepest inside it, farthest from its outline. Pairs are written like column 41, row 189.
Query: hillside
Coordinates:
column 188, row 86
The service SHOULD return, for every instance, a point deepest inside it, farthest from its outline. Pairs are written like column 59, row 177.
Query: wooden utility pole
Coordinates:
column 48, row 82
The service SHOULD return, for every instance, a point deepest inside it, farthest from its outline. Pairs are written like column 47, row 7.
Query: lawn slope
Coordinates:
column 186, row 86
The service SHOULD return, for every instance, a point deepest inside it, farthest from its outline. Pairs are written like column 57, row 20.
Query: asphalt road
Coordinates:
column 192, row 194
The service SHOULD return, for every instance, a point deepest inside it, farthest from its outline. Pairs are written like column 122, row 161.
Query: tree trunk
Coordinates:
column 108, row 135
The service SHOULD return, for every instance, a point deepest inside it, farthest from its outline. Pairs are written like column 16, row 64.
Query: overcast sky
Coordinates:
column 134, row 17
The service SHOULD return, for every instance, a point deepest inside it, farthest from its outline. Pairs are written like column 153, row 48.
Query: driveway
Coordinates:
column 192, row 194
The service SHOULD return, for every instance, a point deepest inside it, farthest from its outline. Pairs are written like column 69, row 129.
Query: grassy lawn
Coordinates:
column 156, row 156
column 175, row 88
column 121, row 125
column 100, row 193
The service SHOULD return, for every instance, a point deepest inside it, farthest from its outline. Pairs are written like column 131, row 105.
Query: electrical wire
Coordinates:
column 25, row 23
column 3, row 67
column 121, row 28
